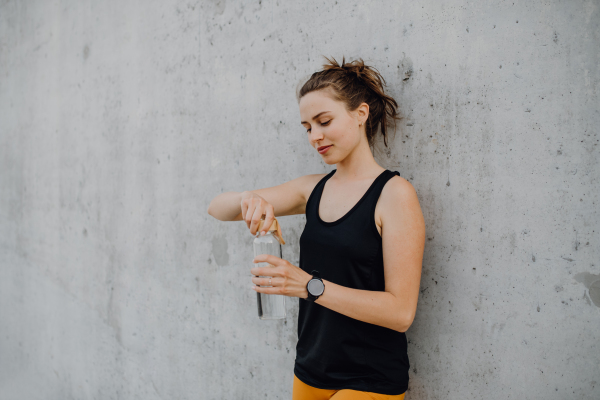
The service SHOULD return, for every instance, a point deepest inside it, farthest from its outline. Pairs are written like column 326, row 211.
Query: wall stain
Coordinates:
column 219, row 6
column 219, row 250
column 405, row 68
column 592, row 283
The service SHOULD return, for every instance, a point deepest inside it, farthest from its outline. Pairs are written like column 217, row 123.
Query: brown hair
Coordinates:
column 355, row 83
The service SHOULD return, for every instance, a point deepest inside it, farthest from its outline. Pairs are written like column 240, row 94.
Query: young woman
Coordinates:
column 361, row 249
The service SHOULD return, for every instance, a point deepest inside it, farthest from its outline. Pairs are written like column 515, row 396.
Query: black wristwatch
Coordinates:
column 315, row 286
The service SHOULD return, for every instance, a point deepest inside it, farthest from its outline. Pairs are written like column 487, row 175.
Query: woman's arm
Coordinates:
column 226, row 206
column 403, row 236
column 289, row 198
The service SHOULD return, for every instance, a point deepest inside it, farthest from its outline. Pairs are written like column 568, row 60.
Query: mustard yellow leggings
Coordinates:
column 302, row 391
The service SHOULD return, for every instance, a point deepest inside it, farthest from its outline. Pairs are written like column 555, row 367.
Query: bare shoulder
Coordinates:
column 397, row 197
column 398, row 188
column 308, row 183
column 303, row 186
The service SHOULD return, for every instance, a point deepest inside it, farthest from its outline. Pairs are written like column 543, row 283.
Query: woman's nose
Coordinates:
column 316, row 134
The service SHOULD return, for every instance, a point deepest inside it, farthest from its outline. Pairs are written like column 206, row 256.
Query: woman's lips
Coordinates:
column 324, row 150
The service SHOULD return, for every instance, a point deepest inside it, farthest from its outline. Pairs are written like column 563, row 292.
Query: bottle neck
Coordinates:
column 270, row 236
column 259, row 235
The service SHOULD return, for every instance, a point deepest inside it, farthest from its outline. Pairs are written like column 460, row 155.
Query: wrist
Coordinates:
column 309, row 277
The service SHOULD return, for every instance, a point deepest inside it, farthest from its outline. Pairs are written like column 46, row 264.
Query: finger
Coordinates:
column 256, row 217
column 258, row 269
column 267, row 290
column 249, row 212
column 252, row 210
column 269, row 258
column 265, row 281
column 267, row 271
column 269, row 218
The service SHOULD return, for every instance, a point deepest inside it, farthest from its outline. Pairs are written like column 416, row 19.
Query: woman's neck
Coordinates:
column 358, row 165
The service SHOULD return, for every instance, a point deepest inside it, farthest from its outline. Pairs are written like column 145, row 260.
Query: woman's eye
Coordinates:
column 308, row 130
column 326, row 123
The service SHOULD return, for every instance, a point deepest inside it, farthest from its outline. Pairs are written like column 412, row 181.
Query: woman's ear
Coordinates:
column 362, row 113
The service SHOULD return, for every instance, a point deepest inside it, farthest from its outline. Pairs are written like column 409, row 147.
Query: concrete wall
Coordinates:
column 121, row 120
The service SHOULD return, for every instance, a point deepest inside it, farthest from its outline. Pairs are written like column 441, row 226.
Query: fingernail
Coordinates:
column 263, row 233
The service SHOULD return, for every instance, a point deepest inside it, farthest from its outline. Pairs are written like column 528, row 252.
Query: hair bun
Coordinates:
column 356, row 67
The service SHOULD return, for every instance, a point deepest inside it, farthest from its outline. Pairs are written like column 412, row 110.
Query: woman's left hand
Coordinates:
column 286, row 278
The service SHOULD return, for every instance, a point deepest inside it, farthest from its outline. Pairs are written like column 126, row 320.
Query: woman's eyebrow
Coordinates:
column 316, row 116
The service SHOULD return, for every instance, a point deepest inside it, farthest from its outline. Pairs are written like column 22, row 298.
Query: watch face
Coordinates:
column 316, row 287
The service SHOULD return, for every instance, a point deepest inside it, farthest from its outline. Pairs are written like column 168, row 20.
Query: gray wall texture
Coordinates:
column 121, row 120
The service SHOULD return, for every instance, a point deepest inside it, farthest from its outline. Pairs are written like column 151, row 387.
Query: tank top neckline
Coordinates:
column 341, row 219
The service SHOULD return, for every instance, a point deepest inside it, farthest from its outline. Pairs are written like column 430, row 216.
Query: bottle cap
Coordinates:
column 275, row 227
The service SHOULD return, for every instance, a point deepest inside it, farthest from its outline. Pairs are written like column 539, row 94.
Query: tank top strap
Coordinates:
column 378, row 186
column 316, row 193
column 373, row 197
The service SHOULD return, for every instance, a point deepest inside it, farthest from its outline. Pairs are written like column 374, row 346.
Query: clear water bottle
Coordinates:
column 270, row 306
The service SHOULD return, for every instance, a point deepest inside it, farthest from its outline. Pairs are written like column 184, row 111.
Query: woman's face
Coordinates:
column 328, row 123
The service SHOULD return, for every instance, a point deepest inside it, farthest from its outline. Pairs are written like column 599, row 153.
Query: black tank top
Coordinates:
column 335, row 351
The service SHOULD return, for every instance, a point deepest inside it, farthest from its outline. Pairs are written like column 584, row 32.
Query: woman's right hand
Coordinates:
column 253, row 208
